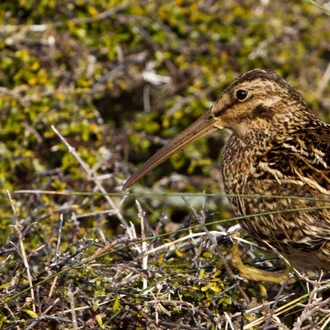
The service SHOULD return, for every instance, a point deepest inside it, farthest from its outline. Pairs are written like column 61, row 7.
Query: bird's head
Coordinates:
column 258, row 103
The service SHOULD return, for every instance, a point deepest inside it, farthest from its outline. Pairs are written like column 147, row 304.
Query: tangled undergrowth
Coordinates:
column 144, row 277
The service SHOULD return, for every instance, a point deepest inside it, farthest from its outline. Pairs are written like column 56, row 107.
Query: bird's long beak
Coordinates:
column 201, row 127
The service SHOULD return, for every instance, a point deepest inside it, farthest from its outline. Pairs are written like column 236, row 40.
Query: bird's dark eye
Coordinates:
column 241, row 94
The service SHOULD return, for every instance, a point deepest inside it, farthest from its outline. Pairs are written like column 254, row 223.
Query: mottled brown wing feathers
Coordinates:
column 302, row 157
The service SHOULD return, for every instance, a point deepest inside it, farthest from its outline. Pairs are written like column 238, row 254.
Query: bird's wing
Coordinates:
column 302, row 159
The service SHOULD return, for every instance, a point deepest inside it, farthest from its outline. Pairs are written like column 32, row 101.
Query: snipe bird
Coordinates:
column 276, row 161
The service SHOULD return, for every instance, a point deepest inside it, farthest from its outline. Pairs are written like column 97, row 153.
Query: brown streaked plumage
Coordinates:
column 278, row 147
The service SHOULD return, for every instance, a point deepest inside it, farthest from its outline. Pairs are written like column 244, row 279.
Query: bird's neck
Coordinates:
column 236, row 161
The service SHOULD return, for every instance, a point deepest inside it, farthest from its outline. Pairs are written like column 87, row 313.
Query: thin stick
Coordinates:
column 72, row 308
column 23, row 254
column 57, row 254
column 276, row 301
column 43, row 314
column 141, row 215
column 91, row 174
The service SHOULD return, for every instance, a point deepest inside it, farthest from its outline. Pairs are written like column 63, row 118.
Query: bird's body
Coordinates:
column 276, row 165
column 281, row 177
